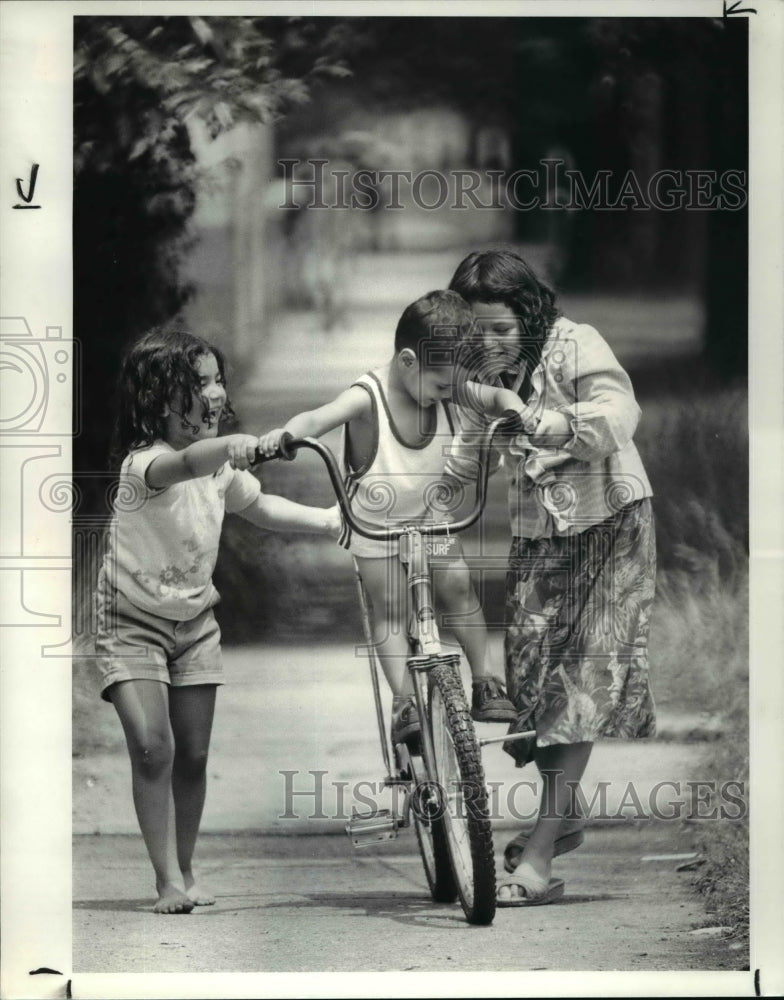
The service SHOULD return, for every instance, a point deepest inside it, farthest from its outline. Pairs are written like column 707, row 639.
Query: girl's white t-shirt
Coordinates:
column 163, row 544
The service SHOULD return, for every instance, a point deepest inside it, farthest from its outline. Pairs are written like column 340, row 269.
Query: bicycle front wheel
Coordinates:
column 427, row 809
column 460, row 775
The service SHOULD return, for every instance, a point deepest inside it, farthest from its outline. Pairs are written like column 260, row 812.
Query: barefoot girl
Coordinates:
column 581, row 570
column 159, row 644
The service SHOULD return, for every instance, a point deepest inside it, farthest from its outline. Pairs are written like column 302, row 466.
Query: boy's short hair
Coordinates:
column 433, row 328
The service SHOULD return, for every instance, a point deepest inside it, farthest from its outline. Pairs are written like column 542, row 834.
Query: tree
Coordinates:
column 138, row 82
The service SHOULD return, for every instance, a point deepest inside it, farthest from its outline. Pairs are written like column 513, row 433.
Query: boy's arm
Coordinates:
column 543, row 427
column 279, row 514
column 201, row 458
column 490, row 401
column 352, row 403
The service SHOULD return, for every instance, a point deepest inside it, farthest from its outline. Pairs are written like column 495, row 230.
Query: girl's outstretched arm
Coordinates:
column 201, row 458
column 279, row 514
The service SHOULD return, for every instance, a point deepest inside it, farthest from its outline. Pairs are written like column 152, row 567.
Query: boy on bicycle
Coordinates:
column 398, row 428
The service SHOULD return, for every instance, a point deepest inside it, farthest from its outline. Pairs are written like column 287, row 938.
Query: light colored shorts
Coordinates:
column 133, row 644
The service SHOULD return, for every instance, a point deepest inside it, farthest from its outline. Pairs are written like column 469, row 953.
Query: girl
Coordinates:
column 158, row 643
column 580, row 580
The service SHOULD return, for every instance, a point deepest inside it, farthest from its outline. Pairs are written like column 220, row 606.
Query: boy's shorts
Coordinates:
column 133, row 644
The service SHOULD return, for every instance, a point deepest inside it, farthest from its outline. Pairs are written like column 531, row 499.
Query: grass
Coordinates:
column 696, row 454
column 699, row 640
column 699, row 660
column 723, row 880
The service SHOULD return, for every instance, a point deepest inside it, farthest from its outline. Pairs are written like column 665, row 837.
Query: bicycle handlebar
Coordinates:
column 289, row 446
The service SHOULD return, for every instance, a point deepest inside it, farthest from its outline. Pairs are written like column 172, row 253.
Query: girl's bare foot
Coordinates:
column 172, row 900
column 199, row 896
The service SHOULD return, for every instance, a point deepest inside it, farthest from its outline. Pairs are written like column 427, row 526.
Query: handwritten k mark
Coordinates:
column 27, row 198
column 735, row 8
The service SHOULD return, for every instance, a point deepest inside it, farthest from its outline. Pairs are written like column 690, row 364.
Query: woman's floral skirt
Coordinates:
column 577, row 615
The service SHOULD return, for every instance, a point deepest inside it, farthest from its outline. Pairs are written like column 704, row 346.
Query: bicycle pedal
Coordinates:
column 365, row 829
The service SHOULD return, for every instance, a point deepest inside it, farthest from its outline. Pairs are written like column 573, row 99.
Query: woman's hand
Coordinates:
column 269, row 442
column 241, row 449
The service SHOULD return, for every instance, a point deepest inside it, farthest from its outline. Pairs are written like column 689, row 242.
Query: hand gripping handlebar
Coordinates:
column 288, row 447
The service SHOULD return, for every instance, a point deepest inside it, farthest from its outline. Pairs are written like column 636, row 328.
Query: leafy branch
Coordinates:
column 157, row 73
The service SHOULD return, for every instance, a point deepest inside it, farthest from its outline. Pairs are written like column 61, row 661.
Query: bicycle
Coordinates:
column 442, row 776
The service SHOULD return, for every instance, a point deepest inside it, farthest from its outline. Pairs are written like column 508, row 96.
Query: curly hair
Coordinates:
column 157, row 368
column 502, row 275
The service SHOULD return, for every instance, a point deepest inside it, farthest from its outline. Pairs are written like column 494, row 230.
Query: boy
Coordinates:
column 397, row 433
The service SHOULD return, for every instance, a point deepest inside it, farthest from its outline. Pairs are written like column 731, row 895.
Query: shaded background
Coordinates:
column 179, row 126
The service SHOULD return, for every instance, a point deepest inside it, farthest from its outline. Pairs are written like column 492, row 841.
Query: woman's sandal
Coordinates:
column 514, row 849
column 536, row 891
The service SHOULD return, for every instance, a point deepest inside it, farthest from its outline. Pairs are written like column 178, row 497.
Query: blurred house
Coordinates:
column 263, row 246
column 233, row 265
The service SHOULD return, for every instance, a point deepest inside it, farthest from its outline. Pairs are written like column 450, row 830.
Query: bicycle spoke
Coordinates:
column 429, row 825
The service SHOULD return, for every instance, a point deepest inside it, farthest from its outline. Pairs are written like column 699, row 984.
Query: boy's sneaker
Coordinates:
column 489, row 702
column 405, row 723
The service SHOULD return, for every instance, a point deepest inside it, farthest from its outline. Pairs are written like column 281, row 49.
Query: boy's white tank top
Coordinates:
column 396, row 485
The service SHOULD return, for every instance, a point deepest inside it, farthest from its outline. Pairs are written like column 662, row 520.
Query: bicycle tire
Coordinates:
column 459, row 772
column 430, row 827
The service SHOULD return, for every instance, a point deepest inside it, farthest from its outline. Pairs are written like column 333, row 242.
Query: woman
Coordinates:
column 581, row 572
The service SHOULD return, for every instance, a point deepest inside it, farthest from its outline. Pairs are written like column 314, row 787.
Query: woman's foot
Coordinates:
column 195, row 892
column 570, row 836
column 172, row 900
column 526, row 887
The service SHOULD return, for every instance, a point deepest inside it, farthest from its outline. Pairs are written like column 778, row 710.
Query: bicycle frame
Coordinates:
column 426, row 651
column 456, row 847
column 423, row 629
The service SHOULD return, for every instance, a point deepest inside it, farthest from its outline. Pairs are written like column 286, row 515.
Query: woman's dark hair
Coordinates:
column 502, row 275
column 158, row 367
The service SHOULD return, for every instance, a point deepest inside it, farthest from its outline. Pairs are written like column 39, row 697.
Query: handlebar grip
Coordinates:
column 284, row 451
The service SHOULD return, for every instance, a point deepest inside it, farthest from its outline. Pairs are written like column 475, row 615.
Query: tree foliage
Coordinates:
column 139, row 82
column 156, row 73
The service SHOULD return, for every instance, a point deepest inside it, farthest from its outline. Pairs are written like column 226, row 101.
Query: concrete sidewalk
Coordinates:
column 296, row 745
column 290, row 899
column 314, row 904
